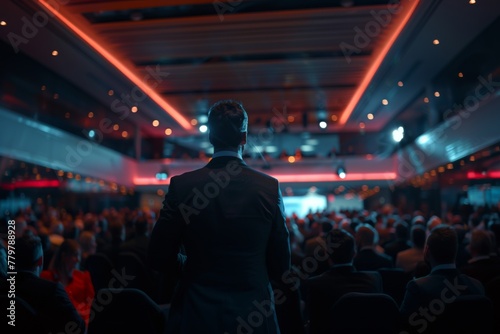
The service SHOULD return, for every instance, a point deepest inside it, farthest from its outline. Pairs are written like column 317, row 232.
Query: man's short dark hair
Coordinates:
column 418, row 234
column 343, row 246
column 443, row 244
column 28, row 252
column 227, row 120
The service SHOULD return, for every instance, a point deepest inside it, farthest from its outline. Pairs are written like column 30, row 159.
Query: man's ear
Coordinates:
column 243, row 138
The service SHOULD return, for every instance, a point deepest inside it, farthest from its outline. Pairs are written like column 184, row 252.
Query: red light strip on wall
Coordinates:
column 376, row 63
column 487, row 175
column 32, row 184
column 121, row 67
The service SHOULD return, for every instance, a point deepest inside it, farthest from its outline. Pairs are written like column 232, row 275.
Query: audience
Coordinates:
column 324, row 272
column 482, row 266
column 440, row 252
column 368, row 258
column 55, row 313
column 408, row 259
column 78, row 284
column 324, row 290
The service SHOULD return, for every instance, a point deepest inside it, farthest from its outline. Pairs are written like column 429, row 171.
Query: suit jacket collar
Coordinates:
column 445, row 272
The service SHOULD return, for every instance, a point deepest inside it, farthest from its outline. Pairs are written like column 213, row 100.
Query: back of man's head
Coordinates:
column 401, row 228
column 227, row 122
column 480, row 243
column 442, row 245
column 366, row 235
column 343, row 246
column 418, row 235
column 29, row 253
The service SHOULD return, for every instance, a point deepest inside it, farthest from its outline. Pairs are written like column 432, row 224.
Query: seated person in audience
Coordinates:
column 408, row 259
column 368, row 258
column 401, row 242
column 324, row 290
column 78, row 285
column 88, row 246
column 138, row 244
column 316, row 247
column 481, row 266
column 54, row 311
column 116, row 229
column 445, row 282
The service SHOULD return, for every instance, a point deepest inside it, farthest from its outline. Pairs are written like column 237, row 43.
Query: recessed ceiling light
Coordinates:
column 194, row 121
column 362, row 125
column 55, row 53
column 111, row 92
column 156, row 123
column 460, row 75
column 435, row 42
column 291, row 159
column 168, row 131
column 91, row 114
column 334, row 118
column 400, row 83
column 203, row 128
column 426, row 99
column 290, row 119
column 369, row 116
column 436, row 94
column 472, row 2
column 385, row 102
column 124, row 134
column 3, row 23
column 116, row 127
column 323, row 124
column 133, row 109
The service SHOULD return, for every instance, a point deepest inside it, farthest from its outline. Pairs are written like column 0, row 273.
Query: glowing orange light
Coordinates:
column 120, row 66
column 291, row 159
column 376, row 64
column 168, row 131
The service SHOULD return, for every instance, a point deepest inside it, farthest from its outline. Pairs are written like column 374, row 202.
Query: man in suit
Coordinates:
column 230, row 221
column 324, row 290
column 426, row 297
column 368, row 258
column 409, row 258
column 54, row 311
column 481, row 266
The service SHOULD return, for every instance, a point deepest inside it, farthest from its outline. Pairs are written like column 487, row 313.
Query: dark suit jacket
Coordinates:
column 51, row 303
column 483, row 270
column 443, row 285
column 230, row 220
column 324, row 290
column 368, row 259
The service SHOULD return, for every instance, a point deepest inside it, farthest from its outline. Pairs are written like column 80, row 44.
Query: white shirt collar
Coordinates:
column 227, row 154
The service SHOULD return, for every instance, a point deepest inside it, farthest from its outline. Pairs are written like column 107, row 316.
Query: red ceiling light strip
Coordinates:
column 487, row 175
column 32, row 184
column 294, row 178
column 121, row 67
column 377, row 61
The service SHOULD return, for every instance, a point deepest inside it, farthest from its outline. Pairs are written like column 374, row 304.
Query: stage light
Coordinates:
column 203, row 128
column 162, row 175
column 341, row 172
column 398, row 134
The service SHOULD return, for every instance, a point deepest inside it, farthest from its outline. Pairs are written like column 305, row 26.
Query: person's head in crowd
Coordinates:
column 326, row 226
column 88, row 243
column 441, row 246
column 480, row 243
column 29, row 254
column 366, row 236
column 433, row 222
column 116, row 229
column 418, row 220
column 67, row 258
column 401, row 230
column 141, row 226
column 90, row 223
column 495, row 230
column 344, row 246
column 3, row 261
column 21, row 225
column 418, row 235
column 227, row 124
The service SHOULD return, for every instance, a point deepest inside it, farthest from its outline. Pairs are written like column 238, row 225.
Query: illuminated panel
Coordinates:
column 121, row 67
column 487, row 175
column 376, row 64
column 32, row 184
